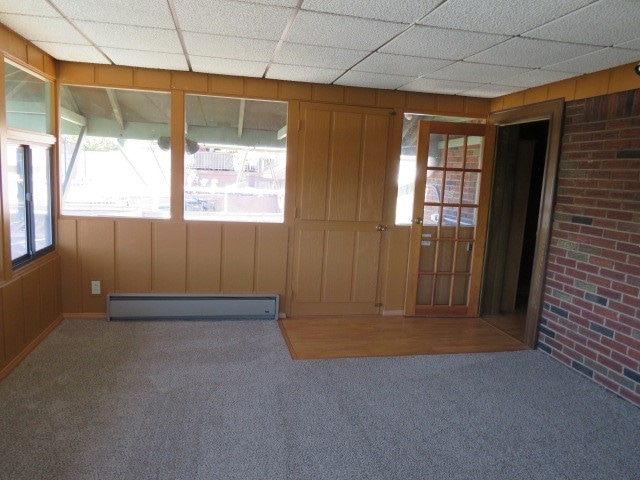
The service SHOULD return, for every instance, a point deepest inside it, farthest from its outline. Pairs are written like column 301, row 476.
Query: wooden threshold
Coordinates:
column 312, row 338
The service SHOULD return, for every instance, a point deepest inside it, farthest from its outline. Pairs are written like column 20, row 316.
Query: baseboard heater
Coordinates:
column 121, row 306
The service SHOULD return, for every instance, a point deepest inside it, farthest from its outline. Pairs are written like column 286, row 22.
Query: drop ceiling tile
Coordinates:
column 534, row 78
column 605, row 23
column 226, row 66
column 431, row 42
column 600, row 60
column 404, row 11
column 229, row 47
column 373, row 80
column 428, row 85
column 277, row 3
column 507, row 17
column 490, row 91
column 299, row 73
column 314, row 28
column 43, row 29
column 531, row 53
column 405, row 65
column 476, row 72
column 131, row 37
column 318, row 56
column 632, row 45
column 150, row 13
column 39, row 8
column 234, row 19
column 73, row 53
column 146, row 59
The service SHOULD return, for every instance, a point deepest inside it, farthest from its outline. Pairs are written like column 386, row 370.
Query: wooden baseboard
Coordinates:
column 29, row 348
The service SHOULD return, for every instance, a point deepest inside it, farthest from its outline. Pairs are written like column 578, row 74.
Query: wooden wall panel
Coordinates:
column 344, row 170
column 133, row 256
column 48, row 304
column 261, row 88
column 397, row 248
column 114, row 75
column 151, row 78
column 13, row 316
column 69, row 267
column 31, row 305
column 169, row 247
column 359, row 96
column 204, row 253
column 271, row 259
column 226, row 85
column 338, row 266
column 314, row 164
column 367, row 260
column 238, row 258
column 3, row 356
column 374, row 162
column 96, row 254
column 308, row 268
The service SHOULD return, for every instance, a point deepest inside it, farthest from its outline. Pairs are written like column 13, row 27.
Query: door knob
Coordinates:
column 417, row 220
column 381, row 227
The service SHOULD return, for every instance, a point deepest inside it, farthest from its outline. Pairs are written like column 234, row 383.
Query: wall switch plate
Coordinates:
column 95, row 287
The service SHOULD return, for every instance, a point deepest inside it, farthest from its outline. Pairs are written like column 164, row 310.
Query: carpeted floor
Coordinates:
column 223, row 400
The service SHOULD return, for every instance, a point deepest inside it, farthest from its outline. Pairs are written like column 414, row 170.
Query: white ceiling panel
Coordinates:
column 317, row 56
column 39, row 8
column 150, row 13
column 431, row 42
column 534, row 78
column 339, row 31
column 633, row 44
column 592, row 62
column 277, row 3
column 73, row 53
column 476, row 72
column 44, row 29
column 428, row 85
column 531, row 53
column 226, row 66
column 373, row 80
column 131, row 37
column 490, row 91
column 390, row 64
column 404, row 11
column 605, row 23
column 499, row 16
column 229, row 47
column 234, row 19
column 146, row 59
column 299, row 73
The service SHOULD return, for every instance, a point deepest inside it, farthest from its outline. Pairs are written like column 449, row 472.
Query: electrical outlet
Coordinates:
column 95, row 287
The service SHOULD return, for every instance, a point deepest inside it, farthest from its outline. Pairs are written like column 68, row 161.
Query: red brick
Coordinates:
column 618, row 327
column 629, row 395
column 627, row 341
column 633, row 322
column 598, row 347
column 606, row 382
column 586, row 352
column 561, row 357
column 624, row 360
column 610, row 364
column 614, row 345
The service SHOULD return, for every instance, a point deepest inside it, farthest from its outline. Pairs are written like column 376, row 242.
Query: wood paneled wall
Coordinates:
column 161, row 256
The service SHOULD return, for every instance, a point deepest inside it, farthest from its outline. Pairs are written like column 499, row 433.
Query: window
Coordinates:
column 28, row 100
column 235, row 159
column 30, row 206
column 115, row 157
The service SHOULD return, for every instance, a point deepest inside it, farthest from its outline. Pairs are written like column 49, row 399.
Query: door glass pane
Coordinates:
column 449, row 216
column 425, row 288
column 452, row 186
column 17, row 201
column 445, row 256
column 427, row 255
column 475, row 146
column 471, row 188
column 431, row 215
column 463, row 257
column 460, row 294
column 437, row 141
column 455, row 152
column 443, row 287
column 468, row 217
column 433, row 190
column 41, row 184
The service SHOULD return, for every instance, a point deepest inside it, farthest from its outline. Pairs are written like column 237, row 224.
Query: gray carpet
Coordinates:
column 223, row 400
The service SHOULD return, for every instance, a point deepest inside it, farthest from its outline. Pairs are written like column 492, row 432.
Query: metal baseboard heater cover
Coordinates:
column 126, row 306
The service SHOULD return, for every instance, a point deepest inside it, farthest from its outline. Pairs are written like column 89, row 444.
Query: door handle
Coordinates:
column 381, row 227
column 417, row 220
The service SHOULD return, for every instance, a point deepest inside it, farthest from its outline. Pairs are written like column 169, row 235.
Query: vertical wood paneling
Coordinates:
column 338, row 266
column 393, row 292
column 308, row 275
column 3, row 356
column 13, row 316
column 204, row 253
column 345, row 166
column 374, row 160
column 96, row 252
column 31, row 305
column 133, row 256
column 48, row 289
column 238, row 258
column 315, row 161
column 367, row 254
column 69, row 268
column 271, row 259
column 169, row 246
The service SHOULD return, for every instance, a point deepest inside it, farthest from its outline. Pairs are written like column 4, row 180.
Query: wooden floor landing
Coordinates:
column 374, row 336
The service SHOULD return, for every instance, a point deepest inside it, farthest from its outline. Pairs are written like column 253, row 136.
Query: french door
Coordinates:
column 450, row 215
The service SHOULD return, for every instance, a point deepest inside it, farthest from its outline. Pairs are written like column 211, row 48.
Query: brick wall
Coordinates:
column 591, row 316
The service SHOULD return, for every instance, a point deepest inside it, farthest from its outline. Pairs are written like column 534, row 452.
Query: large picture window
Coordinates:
column 115, row 157
column 235, row 159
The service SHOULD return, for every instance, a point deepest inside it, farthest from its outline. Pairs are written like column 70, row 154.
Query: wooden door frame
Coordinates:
column 551, row 111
